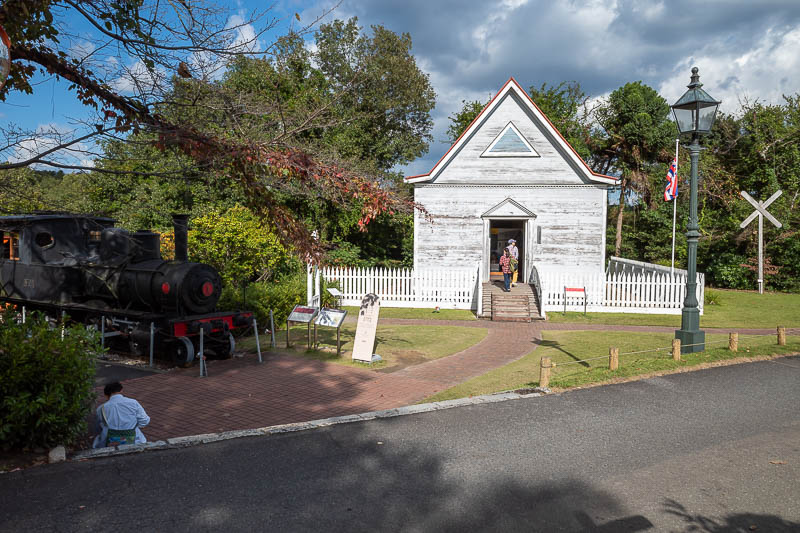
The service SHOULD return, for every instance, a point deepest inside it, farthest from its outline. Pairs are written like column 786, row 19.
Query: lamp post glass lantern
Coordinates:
column 695, row 113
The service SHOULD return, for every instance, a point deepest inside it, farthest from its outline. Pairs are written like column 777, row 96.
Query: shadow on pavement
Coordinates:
column 731, row 522
column 108, row 372
column 342, row 478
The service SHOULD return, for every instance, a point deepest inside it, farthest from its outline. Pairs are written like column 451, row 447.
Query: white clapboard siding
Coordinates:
column 451, row 288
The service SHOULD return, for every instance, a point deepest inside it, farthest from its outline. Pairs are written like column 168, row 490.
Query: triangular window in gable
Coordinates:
column 510, row 143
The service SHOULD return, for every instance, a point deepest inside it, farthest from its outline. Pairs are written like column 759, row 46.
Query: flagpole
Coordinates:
column 674, row 212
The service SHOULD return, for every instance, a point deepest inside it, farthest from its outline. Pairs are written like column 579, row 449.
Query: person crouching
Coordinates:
column 119, row 419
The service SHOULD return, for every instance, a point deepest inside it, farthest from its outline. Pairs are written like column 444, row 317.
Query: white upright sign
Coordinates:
column 761, row 212
column 365, row 330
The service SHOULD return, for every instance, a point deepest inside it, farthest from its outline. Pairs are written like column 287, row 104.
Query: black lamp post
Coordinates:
column 694, row 112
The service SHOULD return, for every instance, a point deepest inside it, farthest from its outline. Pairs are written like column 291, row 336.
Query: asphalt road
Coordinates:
column 713, row 450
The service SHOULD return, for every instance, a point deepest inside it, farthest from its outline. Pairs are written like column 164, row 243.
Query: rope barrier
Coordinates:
column 669, row 348
column 581, row 361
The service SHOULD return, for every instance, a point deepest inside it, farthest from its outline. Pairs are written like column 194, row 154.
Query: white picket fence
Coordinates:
column 451, row 288
column 618, row 292
column 641, row 290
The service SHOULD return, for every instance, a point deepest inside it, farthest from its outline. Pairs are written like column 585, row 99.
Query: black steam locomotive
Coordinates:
column 116, row 281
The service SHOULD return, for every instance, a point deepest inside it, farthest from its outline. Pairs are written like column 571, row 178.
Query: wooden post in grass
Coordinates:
column 613, row 358
column 781, row 336
column 544, row 372
column 676, row 349
column 733, row 341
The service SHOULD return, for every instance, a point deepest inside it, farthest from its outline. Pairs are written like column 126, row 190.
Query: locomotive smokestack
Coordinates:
column 181, row 225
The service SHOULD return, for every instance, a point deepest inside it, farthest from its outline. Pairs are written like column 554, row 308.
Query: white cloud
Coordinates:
column 242, row 39
column 47, row 137
column 768, row 70
column 650, row 11
column 471, row 47
column 138, row 79
column 80, row 50
column 244, row 35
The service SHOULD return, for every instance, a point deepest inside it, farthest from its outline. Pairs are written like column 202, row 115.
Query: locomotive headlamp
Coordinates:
column 208, row 289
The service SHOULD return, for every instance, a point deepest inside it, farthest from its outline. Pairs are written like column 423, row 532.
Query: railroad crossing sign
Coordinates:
column 761, row 212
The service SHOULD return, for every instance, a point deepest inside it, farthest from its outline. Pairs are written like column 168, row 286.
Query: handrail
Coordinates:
column 535, row 280
column 620, row 264
column 479, row 281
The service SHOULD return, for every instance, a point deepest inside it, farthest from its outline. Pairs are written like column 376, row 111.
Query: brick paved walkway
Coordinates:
column 242, row 394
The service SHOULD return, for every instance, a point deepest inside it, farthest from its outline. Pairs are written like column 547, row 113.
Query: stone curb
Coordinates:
column 195, row 440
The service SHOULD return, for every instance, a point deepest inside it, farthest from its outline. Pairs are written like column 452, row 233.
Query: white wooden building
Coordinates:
column 511, row 174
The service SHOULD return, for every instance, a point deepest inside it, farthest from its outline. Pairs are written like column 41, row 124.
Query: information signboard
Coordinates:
column 302, row 313
column 365, row 330
column 331, row 318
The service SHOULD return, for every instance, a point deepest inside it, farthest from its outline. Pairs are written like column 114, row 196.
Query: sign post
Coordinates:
column 301, row 314
column 332, row 318
column 364, row 342
column 761, row 212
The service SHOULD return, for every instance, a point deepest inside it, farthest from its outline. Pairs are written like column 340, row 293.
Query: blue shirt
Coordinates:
column 121, row 413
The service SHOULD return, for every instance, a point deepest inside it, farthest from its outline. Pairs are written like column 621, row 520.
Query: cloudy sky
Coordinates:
column 745, row 49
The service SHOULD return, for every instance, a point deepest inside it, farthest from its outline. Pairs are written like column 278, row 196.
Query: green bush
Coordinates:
column 280, row 295
column 237, row 244
column 46, row 383
column 726, row 271
column 711, row 297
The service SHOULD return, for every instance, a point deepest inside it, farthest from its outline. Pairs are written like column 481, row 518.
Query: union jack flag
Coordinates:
column 671, row 192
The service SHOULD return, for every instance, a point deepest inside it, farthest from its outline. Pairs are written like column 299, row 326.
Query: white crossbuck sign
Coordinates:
column 761, row 212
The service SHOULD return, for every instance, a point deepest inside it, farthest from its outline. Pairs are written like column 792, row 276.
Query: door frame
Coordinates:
column 528, row 230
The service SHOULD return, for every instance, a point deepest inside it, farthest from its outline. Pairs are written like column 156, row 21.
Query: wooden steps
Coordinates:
column 519, row 305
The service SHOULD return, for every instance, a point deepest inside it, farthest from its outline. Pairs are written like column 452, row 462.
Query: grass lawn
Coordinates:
column 399, row 346
column 418, row 313
column 732, row 309
column 565, row 348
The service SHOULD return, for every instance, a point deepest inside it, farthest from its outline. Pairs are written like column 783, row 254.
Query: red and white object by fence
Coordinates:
column 5, row 56
column 568, row 290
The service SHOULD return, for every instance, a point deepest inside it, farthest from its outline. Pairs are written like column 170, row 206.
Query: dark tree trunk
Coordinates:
column 618, row 243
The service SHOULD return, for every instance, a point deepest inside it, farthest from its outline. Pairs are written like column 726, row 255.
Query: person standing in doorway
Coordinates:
column 506, row 267
column 514, row 253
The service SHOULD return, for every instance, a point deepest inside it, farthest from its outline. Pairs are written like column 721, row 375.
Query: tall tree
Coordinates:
column 193, row 40
column 386, row 99
column 460, row 120
column 566, row 106
column 637, row 134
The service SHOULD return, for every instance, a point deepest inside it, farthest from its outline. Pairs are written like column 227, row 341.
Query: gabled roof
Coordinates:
column 512, row 86
column 509, row 208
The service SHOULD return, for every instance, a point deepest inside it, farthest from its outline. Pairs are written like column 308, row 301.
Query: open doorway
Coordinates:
column 500, row 231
